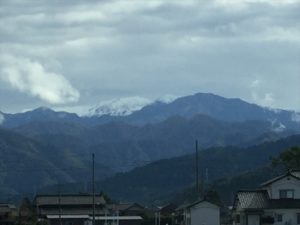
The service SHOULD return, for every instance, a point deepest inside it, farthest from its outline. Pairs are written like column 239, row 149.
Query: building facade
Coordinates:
column 199, row 213
column 78, row 210
column 277, row 202
column 8, row 214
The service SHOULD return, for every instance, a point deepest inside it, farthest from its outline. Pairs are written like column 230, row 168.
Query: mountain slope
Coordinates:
column 26, row 164
column 121, row 146
column 162, row 179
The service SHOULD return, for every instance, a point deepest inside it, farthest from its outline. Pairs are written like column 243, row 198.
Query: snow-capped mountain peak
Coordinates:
column 125, row 106
column 119, row 106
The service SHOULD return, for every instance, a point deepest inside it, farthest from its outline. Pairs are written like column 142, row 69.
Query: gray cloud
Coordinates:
column 112, row 49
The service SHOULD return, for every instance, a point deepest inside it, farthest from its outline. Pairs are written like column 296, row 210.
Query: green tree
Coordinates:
column 289, row 158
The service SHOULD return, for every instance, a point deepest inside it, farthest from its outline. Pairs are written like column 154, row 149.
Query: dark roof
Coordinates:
column 81, row 208
column 181, row 207
column 124, row 206
column 5, row 208
column 81, row 211
column 169, row 208
column 252, row 199
column 189, row 205
column 80, row 199
column 292, row 173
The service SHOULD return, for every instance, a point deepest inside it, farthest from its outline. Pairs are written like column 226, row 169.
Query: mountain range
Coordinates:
column 59, row 144
column 214, row 106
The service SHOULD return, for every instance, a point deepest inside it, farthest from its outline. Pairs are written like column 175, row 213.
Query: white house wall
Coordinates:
column 205, row 214
column 289, row 216
column 285, row 183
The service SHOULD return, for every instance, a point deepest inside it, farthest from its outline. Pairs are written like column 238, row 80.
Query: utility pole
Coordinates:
column 93, row 186
column 202, row 182
column 59, row 204
column 159, row 217
column 197, row 169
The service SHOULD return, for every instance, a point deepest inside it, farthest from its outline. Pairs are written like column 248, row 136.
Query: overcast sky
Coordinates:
column 72, row 54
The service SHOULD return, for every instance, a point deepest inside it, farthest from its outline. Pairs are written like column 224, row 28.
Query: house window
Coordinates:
column 298, row 218
column 288, row 193
column 279, row 217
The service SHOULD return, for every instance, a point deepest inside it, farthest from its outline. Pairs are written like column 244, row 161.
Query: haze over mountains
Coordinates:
column 59, row 144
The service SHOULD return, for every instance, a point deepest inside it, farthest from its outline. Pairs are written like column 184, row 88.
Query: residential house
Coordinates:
column 201, row 212
column 78, row 210
column 164, row 214
column 277, row 202
column 8, row 214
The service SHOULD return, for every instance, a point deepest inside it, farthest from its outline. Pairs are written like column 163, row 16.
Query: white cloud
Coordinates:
column 296, row 117
column 31, row 77
column 1, row 118
column 255, row 83
column 167, row 98
column 260, row 95
column 279, row 128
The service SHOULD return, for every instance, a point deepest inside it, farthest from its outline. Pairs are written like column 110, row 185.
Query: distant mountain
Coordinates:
column 139, row 111
column 122, row 146
column 162, row 180
column 231, row 110
column 39, row 114
column 121, row 143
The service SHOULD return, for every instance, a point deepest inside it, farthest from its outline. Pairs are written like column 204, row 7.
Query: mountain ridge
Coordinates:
column 217, row 107
column 121, row 143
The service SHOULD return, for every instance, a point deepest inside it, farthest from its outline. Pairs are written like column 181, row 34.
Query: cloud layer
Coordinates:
column 119, row 48
column 32, row 78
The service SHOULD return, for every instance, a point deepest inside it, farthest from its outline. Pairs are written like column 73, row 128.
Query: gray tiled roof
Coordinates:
column 71, row 211
column 123, row 206
column 4, row 208
column 68, row 200
column 257, row 199
column 189, row 205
